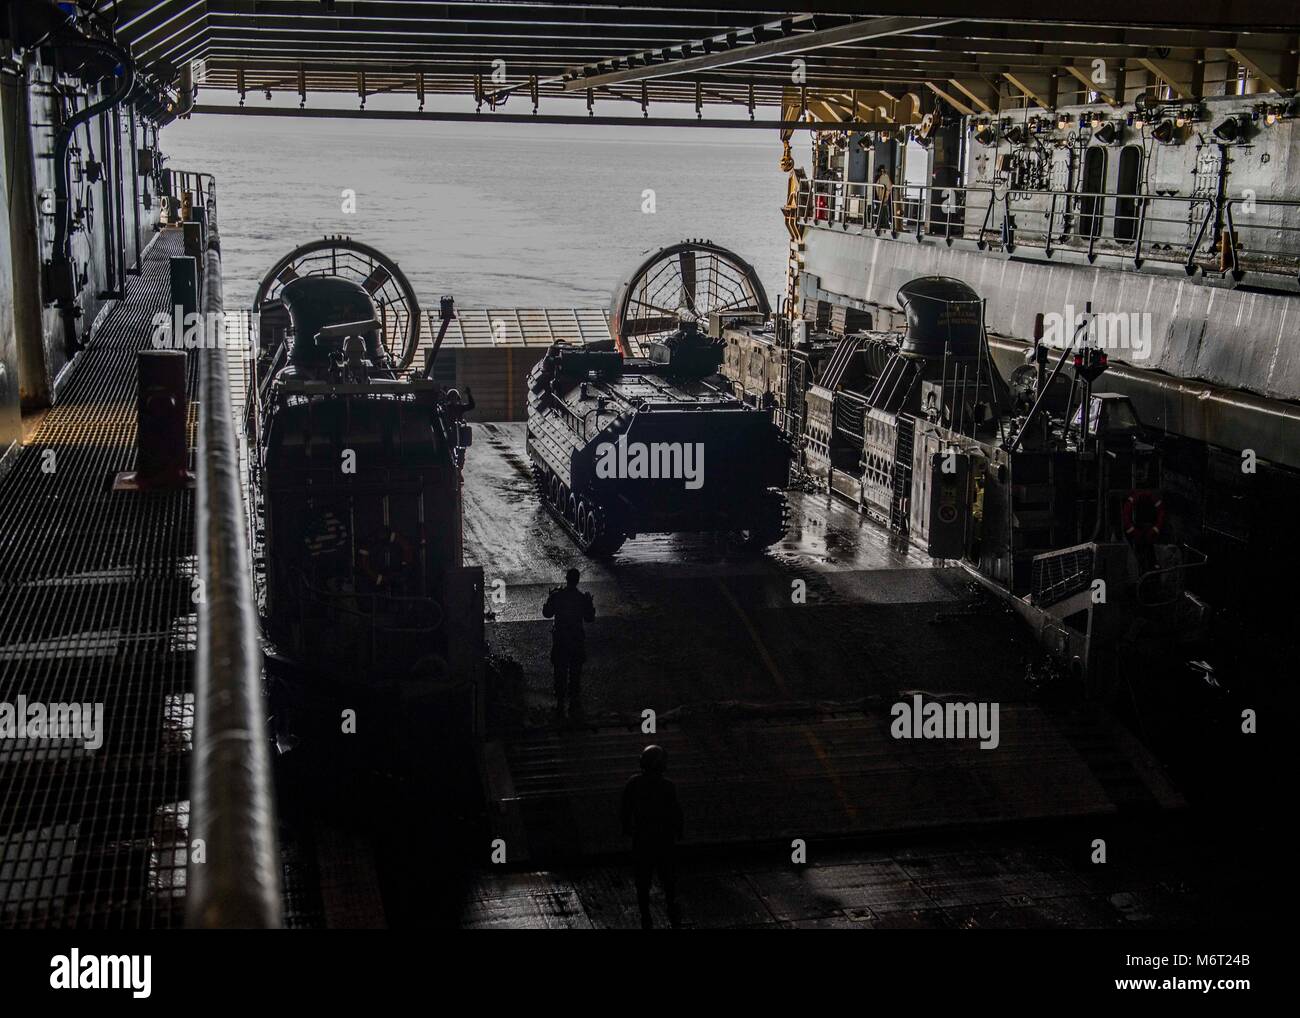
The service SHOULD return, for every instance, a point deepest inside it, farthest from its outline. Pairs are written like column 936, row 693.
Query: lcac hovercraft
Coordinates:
column 358, row 477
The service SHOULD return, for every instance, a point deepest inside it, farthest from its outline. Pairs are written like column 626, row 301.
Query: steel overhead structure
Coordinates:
column 791, row 45
column 995, row 54
column 444, row 116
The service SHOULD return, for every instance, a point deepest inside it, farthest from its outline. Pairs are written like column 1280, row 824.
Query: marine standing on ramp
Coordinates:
column 652, row 817
column 570, row 608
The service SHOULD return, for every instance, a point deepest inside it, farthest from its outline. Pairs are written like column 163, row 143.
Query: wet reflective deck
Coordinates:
column 776, row 712
column 998, row 880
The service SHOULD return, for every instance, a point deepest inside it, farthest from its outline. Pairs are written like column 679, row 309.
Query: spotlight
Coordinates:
column 1063, row 122
column 1015, row 135
column 1231, row 129
column 1107, row 133
column 985, row 135
column 1164, row 132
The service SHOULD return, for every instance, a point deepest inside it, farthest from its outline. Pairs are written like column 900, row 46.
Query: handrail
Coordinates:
column 183, row 179
column 1233, row 249
column 1143, row 227
column 236, row 881
column 1178, row 568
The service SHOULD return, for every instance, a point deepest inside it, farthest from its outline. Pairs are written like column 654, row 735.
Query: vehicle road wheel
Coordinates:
column 598, row 537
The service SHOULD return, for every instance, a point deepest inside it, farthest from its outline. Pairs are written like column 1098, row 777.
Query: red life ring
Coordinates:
column 1143, row 516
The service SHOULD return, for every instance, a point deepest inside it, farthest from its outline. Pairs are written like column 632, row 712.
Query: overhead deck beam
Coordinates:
column 1108, row 89
column 572, row 47
column 789, row 46
column 525, row 118
column 1212, row 15
column 1177, row 74
column 1277, row 70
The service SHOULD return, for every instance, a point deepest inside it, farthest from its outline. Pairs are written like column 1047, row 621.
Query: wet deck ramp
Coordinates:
column 775, row 709
column 817, row 776
column 95, row 607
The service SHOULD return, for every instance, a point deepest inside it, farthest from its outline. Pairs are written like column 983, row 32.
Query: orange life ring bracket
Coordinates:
column 405, row 560
column 1143, row 516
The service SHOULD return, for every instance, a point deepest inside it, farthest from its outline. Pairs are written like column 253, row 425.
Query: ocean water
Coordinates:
column 496, row 215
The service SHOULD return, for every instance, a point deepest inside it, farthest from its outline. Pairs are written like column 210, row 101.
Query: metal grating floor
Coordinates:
column 95, row 608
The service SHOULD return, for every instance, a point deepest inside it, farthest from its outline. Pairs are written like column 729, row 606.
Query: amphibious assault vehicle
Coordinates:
column 641, row 434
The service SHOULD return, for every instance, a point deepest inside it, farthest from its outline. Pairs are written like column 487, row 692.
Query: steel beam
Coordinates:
column 531, row 118
column 858, row 31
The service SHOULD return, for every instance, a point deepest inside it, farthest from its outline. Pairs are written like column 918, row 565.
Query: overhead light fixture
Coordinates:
column 1063, row 122
column 1107, row 133
column 1231, row 128
column 1096, row 121
column 1165, row 132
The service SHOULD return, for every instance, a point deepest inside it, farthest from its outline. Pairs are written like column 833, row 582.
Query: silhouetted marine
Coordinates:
column 570, row 608
column 652, row 817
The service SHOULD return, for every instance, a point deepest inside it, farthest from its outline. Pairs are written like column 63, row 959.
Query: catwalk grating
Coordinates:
column 95, row 608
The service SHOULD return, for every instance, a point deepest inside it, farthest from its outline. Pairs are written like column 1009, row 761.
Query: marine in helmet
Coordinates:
column 570, row 608
column 652, row 818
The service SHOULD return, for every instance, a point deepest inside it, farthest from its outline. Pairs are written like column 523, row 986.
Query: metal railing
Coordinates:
column 896, row 209
column 236, row 883
column 1171, row 577
column 204, row 184
column 1253, row 252
column 1195, row 231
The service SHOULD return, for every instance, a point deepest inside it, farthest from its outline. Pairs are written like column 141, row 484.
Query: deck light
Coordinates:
column 1107, row 133
column 1164, row 132
column 1231, row 128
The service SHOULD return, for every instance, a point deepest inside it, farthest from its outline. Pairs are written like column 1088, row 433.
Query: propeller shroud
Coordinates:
column 378, row 275
column 680, row 283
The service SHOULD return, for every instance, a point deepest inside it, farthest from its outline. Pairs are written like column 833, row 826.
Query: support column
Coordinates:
column 35, row 386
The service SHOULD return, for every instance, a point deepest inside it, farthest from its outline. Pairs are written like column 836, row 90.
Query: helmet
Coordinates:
column 654, row 759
